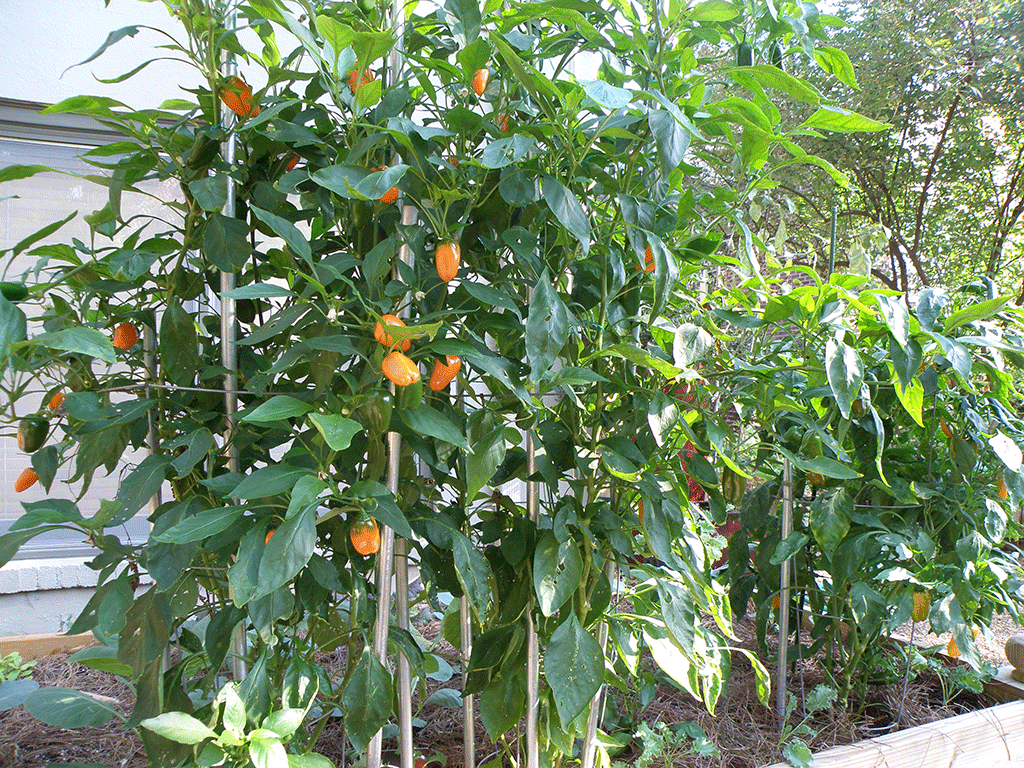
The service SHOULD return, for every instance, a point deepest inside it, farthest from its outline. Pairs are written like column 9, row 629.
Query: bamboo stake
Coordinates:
column 787, row 528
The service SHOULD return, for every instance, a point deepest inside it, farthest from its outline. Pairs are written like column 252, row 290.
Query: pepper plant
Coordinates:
column 582, row 209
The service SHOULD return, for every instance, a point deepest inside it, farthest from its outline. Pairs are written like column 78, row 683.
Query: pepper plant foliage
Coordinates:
column 556, row 188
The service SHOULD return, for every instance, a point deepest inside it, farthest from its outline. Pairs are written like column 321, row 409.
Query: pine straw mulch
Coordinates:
column 744, row 730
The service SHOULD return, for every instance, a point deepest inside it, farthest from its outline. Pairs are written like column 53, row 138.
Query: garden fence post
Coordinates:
column 532, row 646
column 787, row 528
column 228, row 317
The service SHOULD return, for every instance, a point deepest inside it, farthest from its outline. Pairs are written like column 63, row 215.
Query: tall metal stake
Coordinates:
column 787, row 528
column 468, row 716
column 532, row 645
column 590, row 739
column 385, row 563
column 228, row 318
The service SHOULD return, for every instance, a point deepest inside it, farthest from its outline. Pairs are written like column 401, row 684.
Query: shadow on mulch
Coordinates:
column 745, row 732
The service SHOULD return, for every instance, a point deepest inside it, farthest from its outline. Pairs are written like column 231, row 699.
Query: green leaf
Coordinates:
column 973, row 312
column 610, row 97
column 912, row 399
column 287, row 552
column 798, row 754
column 142, row 484
column 690, row 344
column 277, row 408
column 226, row 242
column 211, row 192
column 68, row 708
column 309, row 760
column 16, row 172
column 567, row 210
column 573, row 667
column 201, row 526
column 102, row 658
column 337, row 430
column 830, row 118
column 789, row 546
column 82, row 341
column 267, row 752
column 502, row 703
column 179, row 727
column 11, row 542
column 557, row 571
column 713, row 10
column 636, row 355
column 259, row 291
column 113, row 37
column 896, row 317
column 836, row 63
column 472, row 571
column 547, row 327
column 487, row 454
column 287, row 232
column 14, row 692
column 830, row 520
column 770, row 76
column 662, row 416
column 367, row 699
column 503, row 152
column 670, row 138
column 427, row 421
column 468, row 17
column 179, row 344
column 1007, row 450
column 269, row 481
column 845, row 373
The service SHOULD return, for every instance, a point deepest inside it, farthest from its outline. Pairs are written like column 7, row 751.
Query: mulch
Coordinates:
column 745, row 731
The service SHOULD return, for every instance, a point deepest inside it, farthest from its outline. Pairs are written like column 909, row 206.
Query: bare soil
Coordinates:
column 745, row 732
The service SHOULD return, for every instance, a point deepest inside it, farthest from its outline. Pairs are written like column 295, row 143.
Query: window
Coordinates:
column 27, row 205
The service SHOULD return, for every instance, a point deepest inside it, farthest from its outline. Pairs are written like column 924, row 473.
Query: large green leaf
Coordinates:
column 831, row 118
column 82, row 341
column 286, row 231
column 336, row 430
column 830, row 520
column 845, row 373
column 277, row 408
column 68, row 708
column 226, row 242
column 557, row 570
column 567, row 209
column 428, row 421
column 367, row 699
column 547, row 327
column 472, row 571
column 179, row 727
column 179, row 344
column 486, row 455
column 287, row 552
column 573, row 667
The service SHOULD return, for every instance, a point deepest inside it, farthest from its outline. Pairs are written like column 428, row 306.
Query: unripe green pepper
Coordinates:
column 734, row 486
column 14, row 292
column 32, row 433
column 375, row 413
column 744, row 54
column 408, row 398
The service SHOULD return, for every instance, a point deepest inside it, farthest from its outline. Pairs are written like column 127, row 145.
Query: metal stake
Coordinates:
column 590, row 739
column 787, row 528
column 468, row 717
column 532, row 645
column 228, row 318
column 385, row 562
